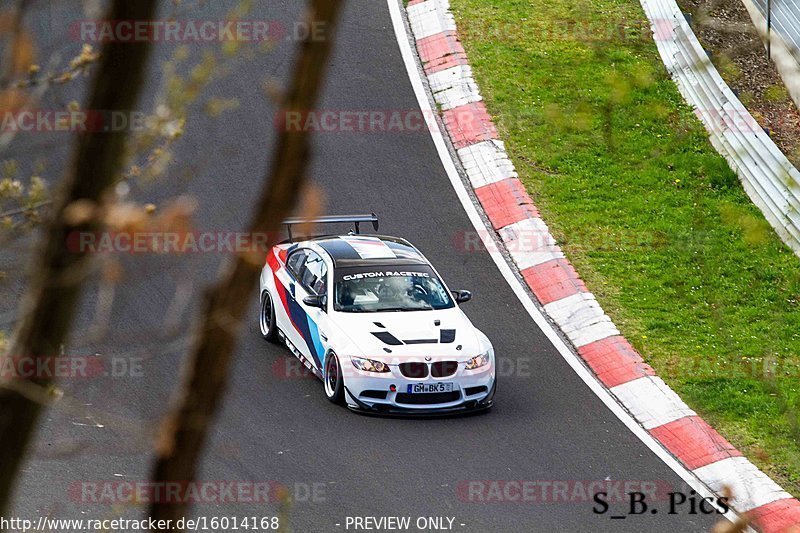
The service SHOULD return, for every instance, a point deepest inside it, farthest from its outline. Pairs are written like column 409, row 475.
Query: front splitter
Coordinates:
column 468, row 407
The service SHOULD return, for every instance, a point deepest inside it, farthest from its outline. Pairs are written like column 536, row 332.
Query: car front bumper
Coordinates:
column 461, row 401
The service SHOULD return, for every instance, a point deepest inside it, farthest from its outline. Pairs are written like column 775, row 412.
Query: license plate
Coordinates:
column 428, row 388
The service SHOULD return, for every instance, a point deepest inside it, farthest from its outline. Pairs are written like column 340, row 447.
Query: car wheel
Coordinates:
column 333, row 379
column 266, row 319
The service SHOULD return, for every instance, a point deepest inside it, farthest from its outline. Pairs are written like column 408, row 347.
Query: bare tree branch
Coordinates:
column 185, row 430
column 46, row 313
column 9, row 62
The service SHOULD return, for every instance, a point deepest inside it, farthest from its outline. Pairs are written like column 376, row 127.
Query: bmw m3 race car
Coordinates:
column 370, row 316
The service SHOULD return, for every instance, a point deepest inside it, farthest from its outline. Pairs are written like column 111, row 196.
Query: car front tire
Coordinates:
column 333, row 379
column 266, row 318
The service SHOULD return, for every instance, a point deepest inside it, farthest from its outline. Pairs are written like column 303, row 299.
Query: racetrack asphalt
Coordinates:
column 546, row 424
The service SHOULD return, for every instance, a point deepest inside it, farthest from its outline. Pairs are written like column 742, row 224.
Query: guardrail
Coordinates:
column 784, row 18
column 771, row 181
column 781, row 45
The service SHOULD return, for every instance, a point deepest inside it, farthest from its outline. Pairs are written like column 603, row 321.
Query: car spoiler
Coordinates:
column 356, row 220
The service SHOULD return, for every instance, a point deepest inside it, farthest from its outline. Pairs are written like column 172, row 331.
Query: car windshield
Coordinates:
column 391, row 288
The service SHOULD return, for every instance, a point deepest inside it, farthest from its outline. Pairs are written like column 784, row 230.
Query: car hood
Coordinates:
column 410, row 334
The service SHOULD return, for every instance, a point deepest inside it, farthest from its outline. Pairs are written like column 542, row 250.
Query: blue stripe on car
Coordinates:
column 317, row 342
column 303, row 322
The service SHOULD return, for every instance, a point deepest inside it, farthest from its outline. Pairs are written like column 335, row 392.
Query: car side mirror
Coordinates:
column 320, row 302
column 462, row 296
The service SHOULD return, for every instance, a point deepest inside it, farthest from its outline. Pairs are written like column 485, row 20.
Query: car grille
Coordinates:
column 442, row 369
column 414, row 370
column 424, row 399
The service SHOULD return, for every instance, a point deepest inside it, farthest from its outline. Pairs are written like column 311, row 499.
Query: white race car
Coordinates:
column 371, row 317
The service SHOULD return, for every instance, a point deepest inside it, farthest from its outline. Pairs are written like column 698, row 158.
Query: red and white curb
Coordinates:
column 565, row 298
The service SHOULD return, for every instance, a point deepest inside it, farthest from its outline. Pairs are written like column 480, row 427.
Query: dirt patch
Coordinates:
column 726, row 31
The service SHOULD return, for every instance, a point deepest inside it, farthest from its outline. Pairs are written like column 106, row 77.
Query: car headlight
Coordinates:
column 370, row 365
column 477, row 361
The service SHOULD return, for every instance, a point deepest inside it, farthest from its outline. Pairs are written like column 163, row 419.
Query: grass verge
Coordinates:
column 651, row 216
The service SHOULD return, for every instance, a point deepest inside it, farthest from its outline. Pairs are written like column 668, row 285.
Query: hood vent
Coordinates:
column 446, row 336
column 420, row 341
column 387, row 338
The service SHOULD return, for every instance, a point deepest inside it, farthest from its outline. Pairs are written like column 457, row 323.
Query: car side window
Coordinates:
column 295, row 263
column 314, row 274
column 321, row 286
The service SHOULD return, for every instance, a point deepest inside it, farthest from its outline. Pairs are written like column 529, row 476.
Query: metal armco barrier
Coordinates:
column 771, row 181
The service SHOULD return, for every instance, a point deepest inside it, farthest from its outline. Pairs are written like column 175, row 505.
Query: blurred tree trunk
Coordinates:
column 47, row 309
column 184, row 431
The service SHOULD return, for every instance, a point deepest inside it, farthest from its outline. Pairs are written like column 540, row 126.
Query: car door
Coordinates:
column 290, row 281
column 310, row 273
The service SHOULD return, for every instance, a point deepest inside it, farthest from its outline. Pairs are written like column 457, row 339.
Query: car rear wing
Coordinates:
column 356, row 220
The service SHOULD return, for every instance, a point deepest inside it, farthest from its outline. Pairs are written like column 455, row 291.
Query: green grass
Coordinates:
column 652, row 217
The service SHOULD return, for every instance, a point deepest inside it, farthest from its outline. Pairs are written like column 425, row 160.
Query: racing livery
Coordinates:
column 370, row 316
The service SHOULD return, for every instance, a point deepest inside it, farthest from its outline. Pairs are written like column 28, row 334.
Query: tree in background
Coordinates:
column 89, row 199
column 185, row 430
column 59, row 273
